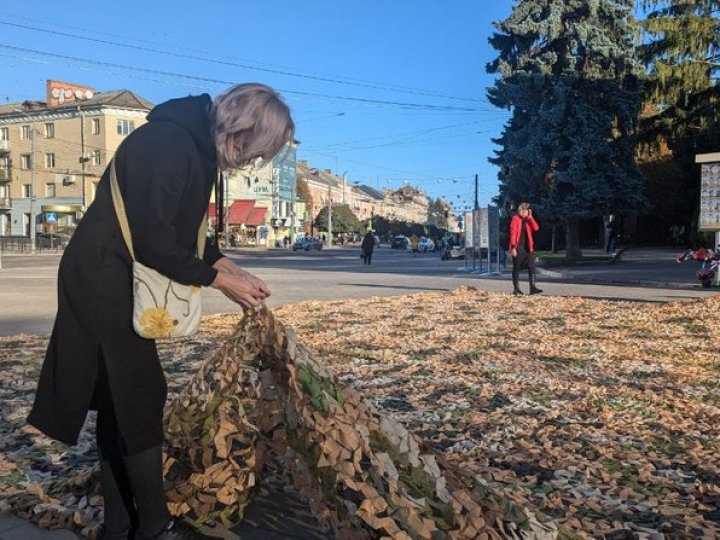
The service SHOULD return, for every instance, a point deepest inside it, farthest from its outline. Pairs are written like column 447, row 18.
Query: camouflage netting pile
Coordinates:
column 263, row 396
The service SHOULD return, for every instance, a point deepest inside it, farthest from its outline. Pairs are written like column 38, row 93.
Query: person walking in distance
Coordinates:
column 611, row 234
column 522, row 247
column 166, row 170
column 367, row 246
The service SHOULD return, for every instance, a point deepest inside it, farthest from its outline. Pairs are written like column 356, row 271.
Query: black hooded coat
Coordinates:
column 166, row 170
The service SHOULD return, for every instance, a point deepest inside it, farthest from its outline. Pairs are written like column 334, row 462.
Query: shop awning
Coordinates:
column 256, row 217
column 242, row 212
column 239, row 212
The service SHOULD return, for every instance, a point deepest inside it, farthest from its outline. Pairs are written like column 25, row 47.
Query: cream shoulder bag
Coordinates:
column 162, row 308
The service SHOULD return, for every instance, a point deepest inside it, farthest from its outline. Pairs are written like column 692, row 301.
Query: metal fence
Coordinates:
column 22, row 244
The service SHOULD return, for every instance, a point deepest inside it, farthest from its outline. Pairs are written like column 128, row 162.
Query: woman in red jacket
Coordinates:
column 522, row 247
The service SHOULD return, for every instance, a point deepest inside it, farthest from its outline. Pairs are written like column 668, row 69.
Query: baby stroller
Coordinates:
column 709, row 267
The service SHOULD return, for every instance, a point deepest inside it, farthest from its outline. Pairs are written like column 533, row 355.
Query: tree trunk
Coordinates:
column 553, row 241
column 572, row 238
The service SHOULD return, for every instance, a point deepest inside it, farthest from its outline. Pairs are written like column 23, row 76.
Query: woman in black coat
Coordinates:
column 367, row 246
column 166, row 170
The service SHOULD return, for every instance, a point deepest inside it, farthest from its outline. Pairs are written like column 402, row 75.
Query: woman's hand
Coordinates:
column 239, row 285
column 513, row 252
column 226, row 265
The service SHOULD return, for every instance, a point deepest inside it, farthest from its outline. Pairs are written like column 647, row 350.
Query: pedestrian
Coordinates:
column 611, row 234
column 166, row 170
column 414, row 244
column 522, row 247
column 367, row 246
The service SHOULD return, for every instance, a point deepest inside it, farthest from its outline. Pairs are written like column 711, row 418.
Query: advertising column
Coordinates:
column 709, row 219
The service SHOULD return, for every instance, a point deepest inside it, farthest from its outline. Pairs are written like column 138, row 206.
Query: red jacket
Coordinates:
column 530, row 227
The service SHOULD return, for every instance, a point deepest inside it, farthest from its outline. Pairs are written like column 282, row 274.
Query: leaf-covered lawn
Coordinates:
column 604, row 415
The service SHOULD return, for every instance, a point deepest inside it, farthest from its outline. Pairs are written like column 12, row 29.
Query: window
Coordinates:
column 25, row 161
column 96, row 126
column 49, row 161
column 49, row 190
column 27, row 191
column 125, row 127
column 94, row 191
column 50, row 130
column 96, row 157
column 24, row 132
column 4, row 134
column 4, row 194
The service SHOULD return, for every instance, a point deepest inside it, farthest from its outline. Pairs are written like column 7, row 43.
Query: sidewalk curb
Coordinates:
column 605, row 281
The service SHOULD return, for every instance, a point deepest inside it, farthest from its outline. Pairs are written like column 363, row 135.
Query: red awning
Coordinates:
column 242, row 212
column 239, row 212
column 256, row 217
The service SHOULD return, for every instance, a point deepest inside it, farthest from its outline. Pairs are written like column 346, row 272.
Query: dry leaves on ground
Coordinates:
column 602, row 415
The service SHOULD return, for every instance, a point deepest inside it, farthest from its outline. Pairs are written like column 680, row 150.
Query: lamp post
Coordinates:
column 84, row 158
column 329, row 238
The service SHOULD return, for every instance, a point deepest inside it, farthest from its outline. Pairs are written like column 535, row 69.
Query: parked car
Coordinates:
column 426, row 244
column 307, row 243
column 51, row 240
column 400, row 242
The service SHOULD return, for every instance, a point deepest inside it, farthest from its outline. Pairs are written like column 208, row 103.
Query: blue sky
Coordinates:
column 420, row 66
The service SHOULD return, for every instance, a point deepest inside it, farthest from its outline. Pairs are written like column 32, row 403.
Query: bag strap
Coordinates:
column 119, row 205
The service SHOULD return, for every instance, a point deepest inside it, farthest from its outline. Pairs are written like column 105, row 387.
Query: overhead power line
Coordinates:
column 245, row 65
column 404, row 105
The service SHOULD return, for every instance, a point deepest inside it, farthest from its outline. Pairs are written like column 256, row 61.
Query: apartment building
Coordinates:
column 54, row 151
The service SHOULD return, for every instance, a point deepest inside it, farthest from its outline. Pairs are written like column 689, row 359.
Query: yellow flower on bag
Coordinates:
column 156, row 322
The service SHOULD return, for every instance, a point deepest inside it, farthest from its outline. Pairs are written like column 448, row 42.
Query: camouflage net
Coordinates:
column 263, row 396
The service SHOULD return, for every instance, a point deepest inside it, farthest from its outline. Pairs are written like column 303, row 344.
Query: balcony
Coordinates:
column 5, row 203
column 4, row 147
column 5, row 175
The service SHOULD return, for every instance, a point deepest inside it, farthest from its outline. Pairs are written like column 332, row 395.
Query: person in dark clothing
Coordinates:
column 522, row 247
column 367, row 246
column 166, row 170
column 611, row 234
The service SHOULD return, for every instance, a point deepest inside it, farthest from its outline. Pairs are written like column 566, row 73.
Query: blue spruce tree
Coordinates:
column 567, row 71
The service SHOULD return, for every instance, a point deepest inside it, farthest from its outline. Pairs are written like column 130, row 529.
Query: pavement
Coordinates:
column 28, row 289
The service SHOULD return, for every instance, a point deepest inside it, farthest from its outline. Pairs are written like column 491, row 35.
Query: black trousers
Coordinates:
column 610, row 242
column 368, row 257
column 523, row 260
column 132, row 484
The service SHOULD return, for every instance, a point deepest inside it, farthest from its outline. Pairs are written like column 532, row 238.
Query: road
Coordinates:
column 28, row 283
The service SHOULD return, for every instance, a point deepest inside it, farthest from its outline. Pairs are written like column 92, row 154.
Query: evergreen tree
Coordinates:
column 568, row 73
column 682, row 52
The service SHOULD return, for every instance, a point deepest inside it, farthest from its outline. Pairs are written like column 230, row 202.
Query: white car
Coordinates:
column 424, row 245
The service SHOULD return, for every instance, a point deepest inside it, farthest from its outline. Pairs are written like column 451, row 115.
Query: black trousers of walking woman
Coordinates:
column 523, row 260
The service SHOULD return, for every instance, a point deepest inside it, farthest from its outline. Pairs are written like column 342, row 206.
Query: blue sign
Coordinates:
column 51, row 217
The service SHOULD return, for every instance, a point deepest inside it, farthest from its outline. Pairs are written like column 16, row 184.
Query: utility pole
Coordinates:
column 83, row 157
column 329, row 238
column 476, row 193
column 226, row 210
column 293, row 206
column 32, row 190
column 344, row 177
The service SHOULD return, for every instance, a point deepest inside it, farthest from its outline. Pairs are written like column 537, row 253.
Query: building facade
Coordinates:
column 53, row 153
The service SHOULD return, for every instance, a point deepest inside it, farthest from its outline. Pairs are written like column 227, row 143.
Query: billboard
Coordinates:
column 285, row 173
column 469, row 228
column 489, row 226
column 710, row 197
